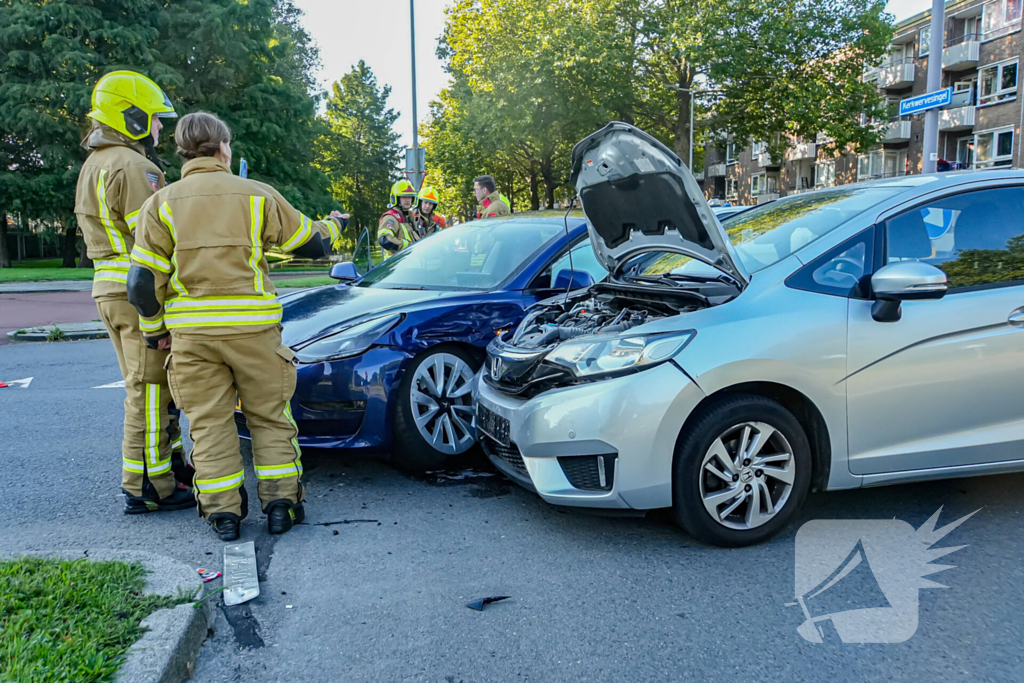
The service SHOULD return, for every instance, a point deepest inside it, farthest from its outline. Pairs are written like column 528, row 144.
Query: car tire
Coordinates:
column 412, row 448
column 702, row 481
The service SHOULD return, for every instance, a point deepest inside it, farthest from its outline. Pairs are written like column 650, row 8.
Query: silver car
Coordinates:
column 860, row 335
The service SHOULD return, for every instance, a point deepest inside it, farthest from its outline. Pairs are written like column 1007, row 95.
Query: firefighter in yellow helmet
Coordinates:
column 393, row 230
column 199, row 277
column 121, row 173
column 426, row 219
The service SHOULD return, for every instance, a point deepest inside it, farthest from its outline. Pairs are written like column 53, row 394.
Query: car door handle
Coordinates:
column 1016, row 318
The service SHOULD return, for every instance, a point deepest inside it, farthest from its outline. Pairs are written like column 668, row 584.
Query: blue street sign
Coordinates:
column 931, row 100
column 243, row 169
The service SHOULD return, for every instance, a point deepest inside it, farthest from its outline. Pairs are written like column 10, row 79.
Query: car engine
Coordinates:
column 552, row 324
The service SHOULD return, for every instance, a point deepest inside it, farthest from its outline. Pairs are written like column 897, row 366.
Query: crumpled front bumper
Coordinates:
column 634, row 421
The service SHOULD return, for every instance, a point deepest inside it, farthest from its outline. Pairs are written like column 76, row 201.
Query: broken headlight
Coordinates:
column 609, row 355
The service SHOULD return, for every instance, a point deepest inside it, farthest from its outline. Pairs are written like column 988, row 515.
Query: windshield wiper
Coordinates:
column 417, row 289
column 727, row 279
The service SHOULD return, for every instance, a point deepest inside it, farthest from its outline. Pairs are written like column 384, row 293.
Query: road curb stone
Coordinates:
column 167, row 652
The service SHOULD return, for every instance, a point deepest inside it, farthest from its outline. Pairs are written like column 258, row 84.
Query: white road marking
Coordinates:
column 112, row 385
column 23, row 383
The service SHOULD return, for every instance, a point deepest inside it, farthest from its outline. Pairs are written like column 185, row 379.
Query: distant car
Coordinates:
column 387, row 359
column 860, row 335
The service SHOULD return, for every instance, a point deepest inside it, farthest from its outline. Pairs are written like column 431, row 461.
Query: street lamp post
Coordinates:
column 417, row 177
column 930, row 145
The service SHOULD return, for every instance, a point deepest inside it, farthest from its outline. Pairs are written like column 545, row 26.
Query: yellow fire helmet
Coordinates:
column 127, row 101
column 403, row 188
column 429, row 194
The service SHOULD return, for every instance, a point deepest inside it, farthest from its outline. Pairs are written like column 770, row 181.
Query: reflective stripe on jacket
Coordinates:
column 204, row 239
column 113, row 184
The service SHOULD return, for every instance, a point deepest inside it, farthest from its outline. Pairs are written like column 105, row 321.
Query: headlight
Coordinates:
column 591, row 357
column 349, row 342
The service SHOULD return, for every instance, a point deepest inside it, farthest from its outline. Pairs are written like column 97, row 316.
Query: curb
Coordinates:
column 71, row 332
column 167, row 652
column 42, row 286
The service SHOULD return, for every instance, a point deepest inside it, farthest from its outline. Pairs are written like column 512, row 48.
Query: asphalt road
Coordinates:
column 592, row 598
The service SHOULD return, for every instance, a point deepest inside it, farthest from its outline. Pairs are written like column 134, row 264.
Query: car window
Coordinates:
column 976, row 238
column 840, row 271
column 583, row 259
column 481, row 255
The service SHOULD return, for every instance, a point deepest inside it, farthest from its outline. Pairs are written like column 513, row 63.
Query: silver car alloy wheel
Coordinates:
column 442, row 403
column 747, row 475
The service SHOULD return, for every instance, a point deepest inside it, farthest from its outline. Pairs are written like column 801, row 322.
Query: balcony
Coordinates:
column 765, row 161
column 961, row 52
column 699, row 176
column 803, row 150
column 896, row 131
column 716, row 171
column 897, row 75
column 765, row 197
column 958, row 118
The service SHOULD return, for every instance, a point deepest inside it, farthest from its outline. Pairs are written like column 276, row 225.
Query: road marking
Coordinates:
column 23, row 383
column 112, row 385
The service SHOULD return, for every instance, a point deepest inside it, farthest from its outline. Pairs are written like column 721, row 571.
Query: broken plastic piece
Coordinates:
column 345, row 521
column 208, row 574
column 241, row 582
column 478, row 605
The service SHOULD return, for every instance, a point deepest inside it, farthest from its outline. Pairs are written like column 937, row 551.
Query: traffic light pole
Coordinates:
column 929, row 153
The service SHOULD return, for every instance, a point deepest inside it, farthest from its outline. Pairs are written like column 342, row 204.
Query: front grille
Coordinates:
column 510, row 454
column 584, row 472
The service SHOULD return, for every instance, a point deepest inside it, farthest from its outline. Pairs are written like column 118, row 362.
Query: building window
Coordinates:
column 998, row 83
column 965, row 152
column 870, row 165
column 924, row 39
column 732, row 189
column 1000, row 17
column 757, row 183
column 758, row 149
column 730, row 152
column 994, row 148
column 825, row 173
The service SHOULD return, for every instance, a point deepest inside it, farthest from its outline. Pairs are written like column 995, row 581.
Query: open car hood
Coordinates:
column 639, row 197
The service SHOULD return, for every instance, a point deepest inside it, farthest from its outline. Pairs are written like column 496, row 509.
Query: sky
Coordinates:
column 377, row 31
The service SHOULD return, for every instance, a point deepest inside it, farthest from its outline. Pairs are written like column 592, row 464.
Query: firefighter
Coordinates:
column 199, row 275
column 426, row 220
column 393, row 230
column 492, row 203
column 121, row 173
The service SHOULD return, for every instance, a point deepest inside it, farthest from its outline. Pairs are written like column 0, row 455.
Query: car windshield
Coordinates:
column 767, row 234
column 480, row 255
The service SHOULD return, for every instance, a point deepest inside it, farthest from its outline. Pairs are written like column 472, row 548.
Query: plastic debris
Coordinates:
column 478, row 605
column 288, row 606
column 208, row 575
column 241, row 582
column 347, row 521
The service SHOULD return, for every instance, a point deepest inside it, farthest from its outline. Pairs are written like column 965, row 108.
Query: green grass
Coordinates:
column 305, row 282
column 40, row 274
column 70, row 620
column 40, row 263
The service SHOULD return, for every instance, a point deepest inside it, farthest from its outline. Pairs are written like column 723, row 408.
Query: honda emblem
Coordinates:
column 496, row 369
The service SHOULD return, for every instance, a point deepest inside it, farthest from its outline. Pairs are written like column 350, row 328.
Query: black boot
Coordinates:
column 180, row 499
column 282, row 515
column 183, row 472
column 226, row 524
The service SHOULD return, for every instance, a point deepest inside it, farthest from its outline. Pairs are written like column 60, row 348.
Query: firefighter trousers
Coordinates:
column 206, row 374
column 151, row 430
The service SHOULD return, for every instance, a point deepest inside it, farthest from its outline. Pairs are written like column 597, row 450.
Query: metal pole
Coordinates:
column 691, row 131
column 929, row 152
column 415, row 119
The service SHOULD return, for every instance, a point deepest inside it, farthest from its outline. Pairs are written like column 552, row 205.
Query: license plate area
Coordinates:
column 493, row 425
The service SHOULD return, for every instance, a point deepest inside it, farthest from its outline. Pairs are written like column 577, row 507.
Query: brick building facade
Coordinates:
column 981, row 53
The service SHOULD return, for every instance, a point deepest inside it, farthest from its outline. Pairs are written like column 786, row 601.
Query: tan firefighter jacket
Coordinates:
column 204, row 239
column 115, row 181
column 494, row 204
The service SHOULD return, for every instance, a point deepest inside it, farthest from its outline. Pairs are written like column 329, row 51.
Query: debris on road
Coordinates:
column 478, row 605
column 20, row 383
column 347, row 521
column 208, row 575
column 241, row 581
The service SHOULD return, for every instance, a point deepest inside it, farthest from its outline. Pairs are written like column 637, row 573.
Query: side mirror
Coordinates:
column 345, row 271
column 904, row 281
column 573, row 279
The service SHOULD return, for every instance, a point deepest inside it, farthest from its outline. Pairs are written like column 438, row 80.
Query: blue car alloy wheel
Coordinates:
column 434, row 414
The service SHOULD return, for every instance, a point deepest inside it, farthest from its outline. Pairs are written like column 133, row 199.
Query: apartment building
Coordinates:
column 982, row 47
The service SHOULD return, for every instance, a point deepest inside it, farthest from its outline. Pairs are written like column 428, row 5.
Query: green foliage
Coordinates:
column 359, row 151
column 20, row 274
column 249, row 62
column 55, row 334
column 70, row 620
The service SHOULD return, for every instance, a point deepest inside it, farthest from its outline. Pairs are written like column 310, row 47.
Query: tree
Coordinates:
column 360, row 151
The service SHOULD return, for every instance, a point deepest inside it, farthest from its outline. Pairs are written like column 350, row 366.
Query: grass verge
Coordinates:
column 28, row 272
column 305, row 282
column 70, row 620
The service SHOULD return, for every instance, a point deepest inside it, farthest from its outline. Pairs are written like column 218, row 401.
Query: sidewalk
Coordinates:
column 46, row 286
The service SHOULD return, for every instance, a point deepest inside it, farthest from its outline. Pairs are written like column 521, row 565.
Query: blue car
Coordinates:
column 387, row 359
